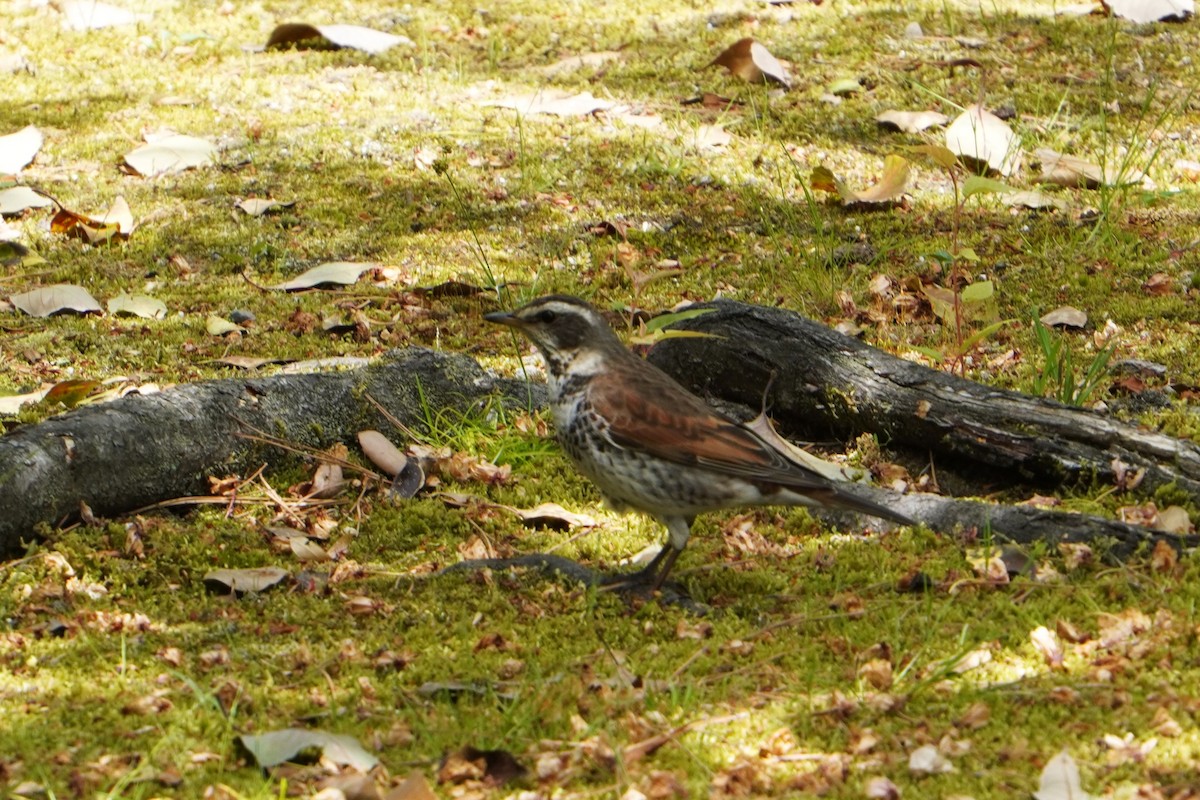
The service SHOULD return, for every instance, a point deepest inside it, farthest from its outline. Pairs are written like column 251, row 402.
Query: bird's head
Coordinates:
column 567, row 331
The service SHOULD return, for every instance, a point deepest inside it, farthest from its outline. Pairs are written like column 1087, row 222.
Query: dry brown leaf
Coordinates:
column 115, row 225
column 892, row 184
column 1159, row 284
column 414, row 787
column 1164, row 558
column 752, row 62
column 879, row 788
column 877, row 673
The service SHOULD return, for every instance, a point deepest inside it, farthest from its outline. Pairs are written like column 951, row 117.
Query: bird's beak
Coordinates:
column 503, row 318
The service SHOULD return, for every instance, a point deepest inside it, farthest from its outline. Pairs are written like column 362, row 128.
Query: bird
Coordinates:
column 650, row 445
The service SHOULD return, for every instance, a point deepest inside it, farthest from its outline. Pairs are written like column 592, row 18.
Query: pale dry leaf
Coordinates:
column 928, row 760
column 306, row 550
column 1145, row 11
column 880, row 788
column 752, row 62
column 355, row 37
column 48, row 300
column 83, row 15
column 11, row 404
column 1060, row 780
column 120, row 215
column 275, row 747
column 137, row 305
column 710, row 138
column 16, row 199
column 1066, row 317
column 1174, row 519
column 338, row 273
column 171, row 154
column 219, row 326
column 1033, row 199
column 978, row 657
column 244, row 580
column 18, row 149
column 556, row 102
column 257, row 206
column 552, row 515
column 1046, row 642
column 573, row 63
column 1073, row 172
column 911, row 121
column 327, row 481
column 979, row 135
column 844, row 87
column 1187, row 168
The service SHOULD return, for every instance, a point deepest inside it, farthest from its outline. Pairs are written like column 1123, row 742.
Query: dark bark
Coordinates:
column 826, row 384
column 139, row 450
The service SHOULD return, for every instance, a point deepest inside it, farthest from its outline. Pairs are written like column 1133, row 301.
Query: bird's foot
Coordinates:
column 645, row 585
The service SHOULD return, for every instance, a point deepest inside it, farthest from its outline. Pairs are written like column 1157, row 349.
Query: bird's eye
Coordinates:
column 546, row 317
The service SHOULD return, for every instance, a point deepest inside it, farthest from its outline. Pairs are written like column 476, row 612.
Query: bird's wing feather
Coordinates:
column 649, row 411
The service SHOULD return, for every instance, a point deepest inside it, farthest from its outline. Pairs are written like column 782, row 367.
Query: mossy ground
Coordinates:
column 122, row 676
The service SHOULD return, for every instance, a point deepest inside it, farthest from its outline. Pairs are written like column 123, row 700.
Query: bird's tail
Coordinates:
column 852, row 501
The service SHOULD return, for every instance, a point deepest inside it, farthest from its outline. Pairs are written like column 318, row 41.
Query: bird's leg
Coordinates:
column 679, row 530
column 655, row 573
column 643, row 576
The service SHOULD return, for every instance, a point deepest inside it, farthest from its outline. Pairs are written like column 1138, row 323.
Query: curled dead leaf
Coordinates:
column 981, row 136
column 753, row 63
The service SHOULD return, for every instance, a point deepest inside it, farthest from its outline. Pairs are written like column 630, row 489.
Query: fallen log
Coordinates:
column 824, row 383
column 140, row 450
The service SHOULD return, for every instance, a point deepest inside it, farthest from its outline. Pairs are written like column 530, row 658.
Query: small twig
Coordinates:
column 702, row 650
column 260, row 287
column 799, row 619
